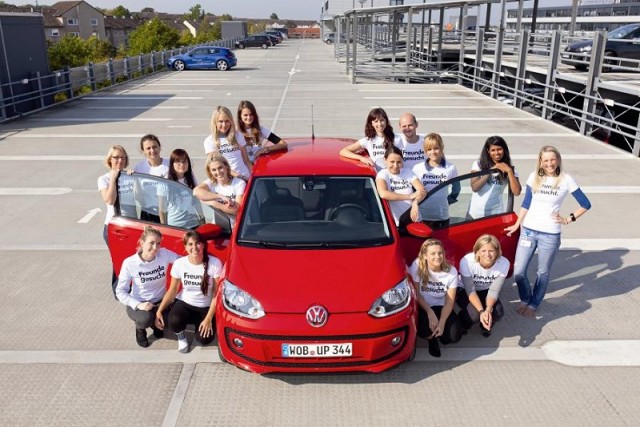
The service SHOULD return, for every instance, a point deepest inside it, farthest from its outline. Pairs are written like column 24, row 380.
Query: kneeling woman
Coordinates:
column 436, row 281
column 483, row 272
column 198, row 272
column 142, row 283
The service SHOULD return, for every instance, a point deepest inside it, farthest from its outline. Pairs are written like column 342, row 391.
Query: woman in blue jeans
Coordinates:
column 541, row 223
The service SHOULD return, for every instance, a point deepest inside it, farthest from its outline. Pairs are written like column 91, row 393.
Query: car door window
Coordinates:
column 161, row 201
column 198, row 52
column 460, row 215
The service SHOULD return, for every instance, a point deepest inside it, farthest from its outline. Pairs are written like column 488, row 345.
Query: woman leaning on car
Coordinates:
column 541, row 223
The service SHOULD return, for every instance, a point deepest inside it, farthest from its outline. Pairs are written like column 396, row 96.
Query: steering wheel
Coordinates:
column 345, row 206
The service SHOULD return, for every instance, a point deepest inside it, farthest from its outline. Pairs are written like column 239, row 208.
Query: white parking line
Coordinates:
column 588, row 353
column 179, row 393
column 41, row 191
column 129, row 98
column 106, row 120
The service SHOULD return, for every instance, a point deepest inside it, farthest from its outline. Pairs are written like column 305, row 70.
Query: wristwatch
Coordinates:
column 573, row 217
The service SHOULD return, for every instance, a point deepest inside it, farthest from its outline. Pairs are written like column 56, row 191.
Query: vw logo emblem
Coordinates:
column 317, row 316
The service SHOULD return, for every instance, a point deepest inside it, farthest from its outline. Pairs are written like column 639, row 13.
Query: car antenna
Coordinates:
column 313, row 134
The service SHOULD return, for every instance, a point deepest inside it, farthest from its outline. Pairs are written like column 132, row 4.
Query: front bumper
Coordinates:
column 378, row 344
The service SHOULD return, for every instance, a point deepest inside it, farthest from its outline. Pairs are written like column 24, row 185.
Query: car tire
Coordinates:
column 413, row 353
column 222, row 359
column 328, row 42
column 264, row 46
column 608, row 69
column 222, row 65
column 240, row 45
column 179, row 65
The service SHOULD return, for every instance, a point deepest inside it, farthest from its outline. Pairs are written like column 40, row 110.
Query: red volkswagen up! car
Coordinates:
column 315, row 275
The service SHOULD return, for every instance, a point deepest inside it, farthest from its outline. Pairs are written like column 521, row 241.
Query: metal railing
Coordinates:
column 531, row 71
column 38, row 92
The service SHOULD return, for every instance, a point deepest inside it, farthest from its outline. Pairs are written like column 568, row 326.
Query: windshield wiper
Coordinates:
column 264, row 243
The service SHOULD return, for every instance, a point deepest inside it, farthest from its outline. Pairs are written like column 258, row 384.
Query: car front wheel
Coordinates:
column 240, row 45
column 178, row 65
column 264, row 46
column 222, row 65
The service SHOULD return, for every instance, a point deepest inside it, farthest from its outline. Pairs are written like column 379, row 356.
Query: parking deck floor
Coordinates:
column 67, row 351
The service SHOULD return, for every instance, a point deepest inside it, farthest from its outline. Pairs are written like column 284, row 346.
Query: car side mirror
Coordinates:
column 209, row 231
column 420, row 229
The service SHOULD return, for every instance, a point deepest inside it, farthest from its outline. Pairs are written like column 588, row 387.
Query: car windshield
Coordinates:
column 314, row 212
column 622, row 32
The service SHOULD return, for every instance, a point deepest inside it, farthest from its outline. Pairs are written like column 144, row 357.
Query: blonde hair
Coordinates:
column 423, row 266
column 212, row 158
column 215, row 134
column 433, row 140
column 484, row 240
column 148, row 231
column 111, row 152
column 538, row 177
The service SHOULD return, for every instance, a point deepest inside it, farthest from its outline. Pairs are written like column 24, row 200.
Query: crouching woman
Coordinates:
column 198, row 273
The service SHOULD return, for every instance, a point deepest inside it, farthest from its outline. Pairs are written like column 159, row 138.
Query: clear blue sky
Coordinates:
column 285, row 9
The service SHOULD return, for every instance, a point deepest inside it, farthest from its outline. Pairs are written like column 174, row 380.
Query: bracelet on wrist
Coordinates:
column 573, row 217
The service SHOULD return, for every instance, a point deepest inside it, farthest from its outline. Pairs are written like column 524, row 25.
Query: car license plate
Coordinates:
column 317, row 350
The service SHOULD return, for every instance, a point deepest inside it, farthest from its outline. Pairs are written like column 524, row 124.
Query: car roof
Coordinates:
column 307, row 157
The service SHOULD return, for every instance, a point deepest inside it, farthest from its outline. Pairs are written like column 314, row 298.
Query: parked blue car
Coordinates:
column 204, row 57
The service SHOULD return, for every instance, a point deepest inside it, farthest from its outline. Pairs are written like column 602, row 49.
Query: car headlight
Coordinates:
column 392, row 301
column 240, row 302
column 585, row 49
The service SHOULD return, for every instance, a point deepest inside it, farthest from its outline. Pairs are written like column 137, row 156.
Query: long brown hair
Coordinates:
column 370, row 132
column 251, row 135
column 180, row 154
column 204, row 285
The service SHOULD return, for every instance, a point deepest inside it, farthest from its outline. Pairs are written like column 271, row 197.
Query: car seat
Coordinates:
column 281, row 206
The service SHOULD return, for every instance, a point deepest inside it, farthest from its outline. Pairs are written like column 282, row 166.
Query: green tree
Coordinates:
column 153, row 35
column 186, row 38
column 70, row 51
column 209, row 31
column 99, row 50
column 274, row 16
column 289, row 24
column 148, row 9
column 120, row 12
column 195, row 12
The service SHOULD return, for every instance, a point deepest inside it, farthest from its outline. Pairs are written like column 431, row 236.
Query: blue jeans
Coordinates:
column 547, row 245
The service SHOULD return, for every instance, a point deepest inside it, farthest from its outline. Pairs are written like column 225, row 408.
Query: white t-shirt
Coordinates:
column 436, row 207
column 437, row 286
column 400, row 184
column 547, row 201
column 488, row 199
column 483, row 277
column 231, row 153
column 412, row 153
column 180, row 205
column 149, row 186
column 232, row 190
column 191, row 276
column 375, row 148
column 125, row 193
column 252, row 146
column 147, row 280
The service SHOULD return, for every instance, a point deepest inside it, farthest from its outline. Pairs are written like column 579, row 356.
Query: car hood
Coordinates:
column 579, row 45
column 290, row 281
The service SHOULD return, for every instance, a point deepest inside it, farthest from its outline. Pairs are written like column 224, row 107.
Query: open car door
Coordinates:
column 168, row 206
column 454, row 197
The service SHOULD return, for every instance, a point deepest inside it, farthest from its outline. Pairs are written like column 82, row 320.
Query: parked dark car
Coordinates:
column 623, row 42
column 254, row 41
column 204, row 57
column 276, row 39
column 276, row 33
